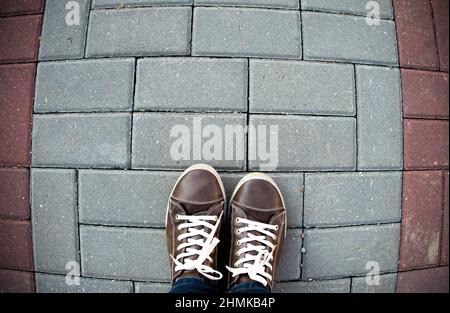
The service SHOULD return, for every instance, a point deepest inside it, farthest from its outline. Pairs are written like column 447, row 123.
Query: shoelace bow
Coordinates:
column 207, row 243
column 254, row 264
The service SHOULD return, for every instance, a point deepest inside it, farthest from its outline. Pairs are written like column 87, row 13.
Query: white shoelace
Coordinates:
column 255, row 264
column 207, row 244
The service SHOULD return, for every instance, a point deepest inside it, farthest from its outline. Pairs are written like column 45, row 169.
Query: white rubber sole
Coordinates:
column 265, row 177
column 199, row 166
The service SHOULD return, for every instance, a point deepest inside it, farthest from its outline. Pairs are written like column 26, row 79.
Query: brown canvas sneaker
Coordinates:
column 257, row 219
column 193, row 219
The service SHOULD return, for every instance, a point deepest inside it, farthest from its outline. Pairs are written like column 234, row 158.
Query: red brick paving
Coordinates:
column 14, row 193
column 16, row 7
column 16, row 95
column 424, row 281
column 444, row 239
column 16, row 281
column 415, row 34
column 425, row 144
column 15, row 245
column 422, row 219
column 425, row 94
column 440, row 14
column 19, row 38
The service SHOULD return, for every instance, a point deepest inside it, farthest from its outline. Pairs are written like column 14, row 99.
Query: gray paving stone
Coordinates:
column 307, row 143
column 191, row 84
column 388, row 284
column 152, row 142
column 246, row 32
column 335, row 199
column 290, row 261
column 318, row 286
column 139, row 32
column 60, row 39
column 81, row 140
column 128, row 198
column 346, row 38
column 136, row 3
column 152, row 287
column 283, row 4
column 128, row 253
column 302, row 87
column 340, row 252
column 380, row 139
column 54, row 218
column 291, row 185
column 357, row 7
column 88, row 85
column 46, row 283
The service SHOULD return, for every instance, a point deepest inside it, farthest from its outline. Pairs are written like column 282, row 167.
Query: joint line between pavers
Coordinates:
column 435, row 36
column 133, row 100
column 247, row 168
column 77, row 182
column 386, row 19
column 192, row 29
column 303, row 226
column 355, row 97
column 87, row 29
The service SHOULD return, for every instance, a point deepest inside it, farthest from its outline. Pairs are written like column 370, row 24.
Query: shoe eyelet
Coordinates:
column 237, row 254
column 238, row 242
column 238, row 220
column 238, row 232
column 177, row 217
column 276, row 227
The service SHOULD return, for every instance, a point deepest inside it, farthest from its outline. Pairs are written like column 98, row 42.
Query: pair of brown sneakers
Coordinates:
column 256, row 220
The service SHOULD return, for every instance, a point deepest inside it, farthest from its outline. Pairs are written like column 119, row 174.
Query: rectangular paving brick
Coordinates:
column 356, row 7
column 318, row 286
column 175, row 141
column 140, row 3
column 16, row 251
column 47, row 283
column 421, row 219
column 445, row 222
column 81, row 140
column 344, row 38
column 307, row 143
column 246, row 32
column 191, row 84
column 302, row 87
column 431, row 280
column 91, row 85
column 339, row 252
column 387, row 284
column 124, row 198
column 18, row 7
column 63, row 37
column 425, row 94
column 19, row 38
column 415, row 34
column 139, row 32
column 16, row 94
column 290, row 260
column 54, row 216
column 379, row 118
column 425, row 144
column 291, row 185
column 441, row 24
column 129, row 253
column 152, row 287
column 335, row 199
column 16, row 281
column 282, row 4
column 14, row 193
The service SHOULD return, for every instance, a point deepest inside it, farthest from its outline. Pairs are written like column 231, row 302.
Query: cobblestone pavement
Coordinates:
column 362, row 112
